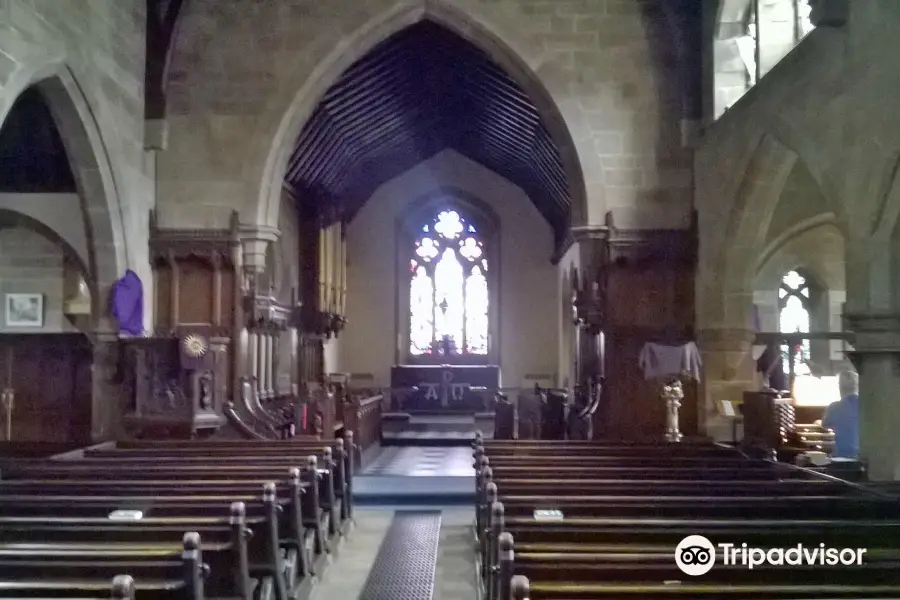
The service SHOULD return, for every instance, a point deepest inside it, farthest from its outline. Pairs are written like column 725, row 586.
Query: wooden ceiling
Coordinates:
column 418, row 92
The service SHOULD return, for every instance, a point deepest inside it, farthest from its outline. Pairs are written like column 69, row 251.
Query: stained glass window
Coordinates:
column 449, row 294
column 794, row 318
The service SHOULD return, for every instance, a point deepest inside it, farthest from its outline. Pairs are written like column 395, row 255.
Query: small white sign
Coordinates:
column 126, row 515
column 548, row 515
column 727, row 408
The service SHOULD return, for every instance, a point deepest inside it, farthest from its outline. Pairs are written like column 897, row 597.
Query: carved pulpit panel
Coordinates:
column 175, row 387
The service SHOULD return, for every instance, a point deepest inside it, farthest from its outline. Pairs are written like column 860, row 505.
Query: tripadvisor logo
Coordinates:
column 695, row 555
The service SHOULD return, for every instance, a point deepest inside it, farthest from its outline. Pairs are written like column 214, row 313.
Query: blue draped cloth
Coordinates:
column 128, row 303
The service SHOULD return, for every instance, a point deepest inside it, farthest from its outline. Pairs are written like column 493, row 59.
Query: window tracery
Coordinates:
column 449, row 291
column 794, row 317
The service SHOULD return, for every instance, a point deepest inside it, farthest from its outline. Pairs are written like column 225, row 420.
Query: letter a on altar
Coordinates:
column 432, row 393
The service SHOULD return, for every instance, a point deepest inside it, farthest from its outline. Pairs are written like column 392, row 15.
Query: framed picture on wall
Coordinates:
column 24, row 310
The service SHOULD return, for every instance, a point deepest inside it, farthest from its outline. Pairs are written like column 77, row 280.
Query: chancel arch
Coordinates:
column 554, row 161
column 430, row 88
column 448, row 280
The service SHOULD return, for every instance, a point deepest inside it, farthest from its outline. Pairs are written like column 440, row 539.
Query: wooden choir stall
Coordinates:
column 237, row 353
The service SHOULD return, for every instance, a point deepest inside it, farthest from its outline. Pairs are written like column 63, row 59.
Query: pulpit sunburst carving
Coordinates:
column 195, row 346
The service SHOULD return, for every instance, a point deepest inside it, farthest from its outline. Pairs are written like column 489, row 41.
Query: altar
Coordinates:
column 444, row 387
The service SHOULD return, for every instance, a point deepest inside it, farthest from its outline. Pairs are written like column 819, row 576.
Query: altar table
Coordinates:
column 444, row 387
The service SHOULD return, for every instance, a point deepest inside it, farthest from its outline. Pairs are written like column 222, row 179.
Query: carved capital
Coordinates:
column 875, row 332
column 590, row 232
column 724, row 339
column 255, row 240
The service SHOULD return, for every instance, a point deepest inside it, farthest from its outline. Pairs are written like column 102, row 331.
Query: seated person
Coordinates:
column 771, row 367
column 842, row 417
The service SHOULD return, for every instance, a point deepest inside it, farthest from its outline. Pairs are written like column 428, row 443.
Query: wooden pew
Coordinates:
column 289, row 528
column 228, row 470
column 264, row 552
column 611, row 542
column 523, row 589
column 172, row 571
column 122, row 588
column 336, row 456
column 61, row 483
column 336, row 488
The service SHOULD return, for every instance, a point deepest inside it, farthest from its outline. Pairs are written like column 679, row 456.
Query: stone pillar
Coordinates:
column 107, row 404
column 270, row 365
column 877, row 359
column 836, row 300
column 251, row 352
column 260, row 365
column 728, row 371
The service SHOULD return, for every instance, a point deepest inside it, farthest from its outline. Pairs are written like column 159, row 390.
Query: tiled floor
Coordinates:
column 345, row 578
column 413, row 461
column 454, row 574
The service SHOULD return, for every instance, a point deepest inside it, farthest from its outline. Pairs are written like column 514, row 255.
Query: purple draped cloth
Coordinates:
column 128, row 303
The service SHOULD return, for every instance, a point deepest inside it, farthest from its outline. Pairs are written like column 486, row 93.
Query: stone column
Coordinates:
column 836, row 300
column 252, row 355
column 877, row 359
column 270, row 365
column 107, row 404
column 728, row 371
column 260, row 365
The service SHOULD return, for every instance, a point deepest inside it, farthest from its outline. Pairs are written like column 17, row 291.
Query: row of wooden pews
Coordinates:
column 588, row 520
column 240, row 519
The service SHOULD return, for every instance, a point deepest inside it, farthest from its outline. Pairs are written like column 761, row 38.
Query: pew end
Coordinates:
column 520, row 588
column 123, row 587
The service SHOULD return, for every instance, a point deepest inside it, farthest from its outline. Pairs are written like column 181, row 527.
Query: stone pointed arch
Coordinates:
column 360, row 42
column 90, row 164
column 730, row 276
column 11, row 217
column 794, row 231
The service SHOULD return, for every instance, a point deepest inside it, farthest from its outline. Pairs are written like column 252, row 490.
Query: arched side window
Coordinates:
column 794, row 317
column 449, row 290
column 752, row 36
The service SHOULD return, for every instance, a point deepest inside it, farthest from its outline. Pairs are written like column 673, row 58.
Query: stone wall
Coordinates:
column 824, row 107
column 528, row 298
column 87, row 58
column 31, row 263
column 605, row 69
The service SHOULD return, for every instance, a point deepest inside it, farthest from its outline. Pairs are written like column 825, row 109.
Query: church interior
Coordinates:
column 449, row 299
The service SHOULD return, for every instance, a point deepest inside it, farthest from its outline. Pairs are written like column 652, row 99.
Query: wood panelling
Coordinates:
column 649, row 283
column 194, row 273
column 196, row 293
column 51, row 377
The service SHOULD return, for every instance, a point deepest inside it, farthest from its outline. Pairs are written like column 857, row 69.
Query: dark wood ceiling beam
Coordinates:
column 421, row 91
